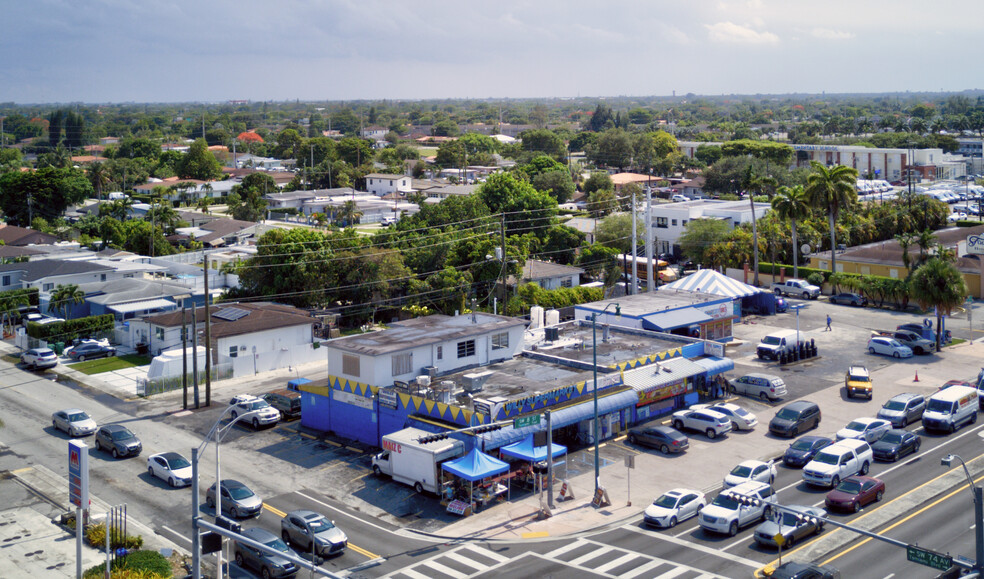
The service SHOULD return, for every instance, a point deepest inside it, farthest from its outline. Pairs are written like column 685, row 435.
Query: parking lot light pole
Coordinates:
column 797, row 308
column 978, row 509
column 594, row 369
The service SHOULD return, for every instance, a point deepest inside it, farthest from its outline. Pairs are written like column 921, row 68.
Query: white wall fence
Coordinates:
column 249, row 364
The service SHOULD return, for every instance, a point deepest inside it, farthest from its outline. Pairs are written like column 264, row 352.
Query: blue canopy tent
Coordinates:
column 526, row 451
column 476, row 466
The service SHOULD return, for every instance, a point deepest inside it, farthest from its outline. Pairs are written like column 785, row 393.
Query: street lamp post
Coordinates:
column 978, row 509
column 594, row 369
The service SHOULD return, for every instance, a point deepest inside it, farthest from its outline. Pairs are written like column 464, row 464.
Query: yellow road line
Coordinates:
column 333, row 443
column 362, row 551
column 306, row 435
column 335, row 465
column 535, row 535
column 274, row 510
column 360, row 476
column 353, row 449
column 22, row 470
column 805, row 545
column 919, row 512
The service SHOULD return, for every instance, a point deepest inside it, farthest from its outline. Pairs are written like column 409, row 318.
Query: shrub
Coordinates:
column 136, row 565
column 96, row 536
column 774, row 268
column 968, row 223
column 71, row 329
column 816, row 278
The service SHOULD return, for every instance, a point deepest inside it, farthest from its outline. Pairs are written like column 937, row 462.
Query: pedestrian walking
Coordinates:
column 828, row 323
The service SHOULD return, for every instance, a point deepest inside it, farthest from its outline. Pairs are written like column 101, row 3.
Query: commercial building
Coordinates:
column 669, row 220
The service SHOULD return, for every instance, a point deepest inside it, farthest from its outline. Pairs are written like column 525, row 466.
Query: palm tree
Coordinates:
column 938, row 284
column 905, row 241
column 202, row 204
column 117, row 208
column 756, row 184
column 99, row 177
column 832, row 190
column 791, row 203
column 64, row 296
column 925, row 240
column 348, row 213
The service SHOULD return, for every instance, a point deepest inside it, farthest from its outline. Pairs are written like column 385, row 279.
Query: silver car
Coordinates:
column 903, row 409
column 237, row 499
column 74, row 422
column 269, row 565
column 298, row 527
column 39, row 358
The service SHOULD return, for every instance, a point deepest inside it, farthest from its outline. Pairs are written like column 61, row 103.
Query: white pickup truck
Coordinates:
column 727, row 513
column 798, row 288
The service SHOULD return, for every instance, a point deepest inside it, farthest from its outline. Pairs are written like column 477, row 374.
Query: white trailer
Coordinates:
column 413, row 463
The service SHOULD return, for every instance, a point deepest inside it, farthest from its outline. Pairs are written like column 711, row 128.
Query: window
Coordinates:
column 401, row 364
column 500, row 341
column 350, row 364
column 48, row 287
column 102, row 277
column 466, row 348
column 233, row 351
column 683, row 222
column 6, row 280
column 673, row 222
column 440, row 352
column 159, row 334
column 568, row 282
column 661, row 222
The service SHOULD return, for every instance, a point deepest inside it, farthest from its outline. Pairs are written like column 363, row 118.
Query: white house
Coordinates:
column 549, row 275
column 248, row 337
column 431, row 345
column 670, row 219
column 381, row 184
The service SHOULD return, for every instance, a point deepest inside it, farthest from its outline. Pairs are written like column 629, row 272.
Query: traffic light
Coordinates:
column 211, row 542
column 431, row 438
column 487, row 428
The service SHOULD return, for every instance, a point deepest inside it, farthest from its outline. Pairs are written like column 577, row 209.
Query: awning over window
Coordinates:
column 674, row 319
column 154, row 304
column 716, row 365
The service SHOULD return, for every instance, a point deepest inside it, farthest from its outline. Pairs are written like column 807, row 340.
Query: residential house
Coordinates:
column 20, row 236
column 217, row 232
column 548, row 275
column 380, row 184
column 585, row 225
column 622, row 179
column 246, row 338
column 130, row 298
column 374, row 132
column 669, row 220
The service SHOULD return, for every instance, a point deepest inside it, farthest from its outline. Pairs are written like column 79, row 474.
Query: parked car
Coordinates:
column 781, row 305
column 849, row 299
column 803, row 450
column 665, row 438
column 118, row 440
column 170, row 467
column 747, row 470
column 73, row 422
column 756, row 385
column 40, row 358
column 711, row 423
column 673, row 507
column 794, row 418
column 286, row 401
column 237, row 499
column 798, row 522
column 259, row 410
column 888, row 347
column 913, row 340
column 741, row 419
column 857, row 381
column 90, row 351
column 269, row 565
column 895, row 444
column 678, row 198
column 866, row 429
column 797, row 570
column 308, row 530
column 855, row 492
column 950, row 383
column 903, row 409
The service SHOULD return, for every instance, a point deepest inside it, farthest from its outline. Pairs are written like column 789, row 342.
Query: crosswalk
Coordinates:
column 594, row 558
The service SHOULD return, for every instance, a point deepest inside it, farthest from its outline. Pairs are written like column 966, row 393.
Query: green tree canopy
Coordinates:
column 938, row 284
column 199, row 163
column 43, row 193
column 699, row 235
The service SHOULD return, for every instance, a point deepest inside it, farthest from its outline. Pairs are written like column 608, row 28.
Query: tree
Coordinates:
column 562, row 244
column 613, row 149
column 544, row 141
column 63, row 297
column 348, row 214
column 699, row 235
column 832, row 190
column 598, row 180
column 925, row 240
column 600, row 262
column 791, row 204
column 938, row 284
column 99, row 177
column 601, row 119
column 43, row 193
column 756, row 184
column 525, row 209
column 556, row 183
column 616, row 231
column 199, row 163
column 905, row 240
column 289, row 143
column 354, row 150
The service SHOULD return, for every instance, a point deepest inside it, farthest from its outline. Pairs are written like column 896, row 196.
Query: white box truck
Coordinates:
column 413, row 463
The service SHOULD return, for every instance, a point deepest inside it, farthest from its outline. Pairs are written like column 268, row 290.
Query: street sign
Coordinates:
column 630, row 461
column 530, row 420
column 928, row 558
column 779, row 539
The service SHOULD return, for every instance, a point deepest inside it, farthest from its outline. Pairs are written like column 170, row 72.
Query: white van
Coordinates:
column 118, row 195
column 950, row 409
column 774, row 344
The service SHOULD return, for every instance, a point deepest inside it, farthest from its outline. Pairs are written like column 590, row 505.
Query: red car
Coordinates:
column 855, row 492
column 949, row 383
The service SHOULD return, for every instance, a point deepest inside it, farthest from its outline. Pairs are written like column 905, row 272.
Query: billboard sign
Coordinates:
column 78, row 474
column 975, row 244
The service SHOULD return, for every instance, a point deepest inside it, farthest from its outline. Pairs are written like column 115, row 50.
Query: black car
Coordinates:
column 90, row 350
column 803, row 450
column 794, row 570
column 665, row 438
column 795, row 418
column 267, row 564
column 118, row 441
column 895, row 444
column 849, row 299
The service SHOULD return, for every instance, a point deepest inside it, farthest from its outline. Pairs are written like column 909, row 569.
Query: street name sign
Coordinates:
column 928, row 558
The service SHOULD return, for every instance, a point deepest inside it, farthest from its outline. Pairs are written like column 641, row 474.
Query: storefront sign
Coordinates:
column 649, row 396
column 975, row 244
column 714, row 349
column 458, row 507
column 353, row 399
column 388, row 398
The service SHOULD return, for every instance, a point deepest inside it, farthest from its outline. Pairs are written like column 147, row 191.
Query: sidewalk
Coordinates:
column 654, row 474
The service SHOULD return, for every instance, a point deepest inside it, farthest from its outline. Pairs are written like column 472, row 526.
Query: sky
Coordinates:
column 100, row 51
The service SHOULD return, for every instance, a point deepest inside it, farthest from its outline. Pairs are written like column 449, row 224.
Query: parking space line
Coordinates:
column 333, row 443
column 335, row 465
column 306, row 435
column 358, row 477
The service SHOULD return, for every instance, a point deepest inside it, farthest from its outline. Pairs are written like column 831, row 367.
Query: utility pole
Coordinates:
column 650, row 250
column 184, row 355
column 208, row 340
column 194, row 356
column 502, row 242
column 635, row 263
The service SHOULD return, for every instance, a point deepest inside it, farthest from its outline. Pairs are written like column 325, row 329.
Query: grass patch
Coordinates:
column 110, row 364
column 955, row 341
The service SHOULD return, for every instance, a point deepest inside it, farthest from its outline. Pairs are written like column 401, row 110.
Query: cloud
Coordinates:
column 730, row 32
column 828, row 34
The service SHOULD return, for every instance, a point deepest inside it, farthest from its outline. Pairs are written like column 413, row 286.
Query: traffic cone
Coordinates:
column 917, row 376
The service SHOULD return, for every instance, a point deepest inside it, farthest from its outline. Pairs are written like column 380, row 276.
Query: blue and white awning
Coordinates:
column 708, row 281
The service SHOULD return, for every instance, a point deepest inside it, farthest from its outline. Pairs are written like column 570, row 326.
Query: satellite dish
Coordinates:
column 805, row 249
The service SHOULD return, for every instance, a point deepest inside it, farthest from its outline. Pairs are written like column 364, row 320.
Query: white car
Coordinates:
column 866, row 429
column 741, row 419
column 259, row 411
column 170, row 467
column 754, row 470
column 74, row 422
column 888, row 347
column 678, row 198
column 956, row 216
column 38, row 358
column 711, row 423
column 673, row 507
